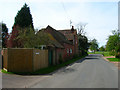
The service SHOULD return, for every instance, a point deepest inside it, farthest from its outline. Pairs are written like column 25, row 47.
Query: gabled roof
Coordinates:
column 53, row 42
column 57, row 35
column 69, row 34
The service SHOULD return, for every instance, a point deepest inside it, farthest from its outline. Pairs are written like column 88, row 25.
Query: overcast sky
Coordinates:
column 101, row 15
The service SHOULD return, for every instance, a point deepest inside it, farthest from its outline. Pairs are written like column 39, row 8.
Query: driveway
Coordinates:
column 92, row 72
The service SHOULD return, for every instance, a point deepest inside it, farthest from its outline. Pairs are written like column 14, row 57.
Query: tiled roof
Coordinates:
column 68, row 33
column 58, row 35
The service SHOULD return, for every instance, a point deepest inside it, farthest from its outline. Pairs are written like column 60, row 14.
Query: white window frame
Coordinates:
column 70, row 50
column 67, row 50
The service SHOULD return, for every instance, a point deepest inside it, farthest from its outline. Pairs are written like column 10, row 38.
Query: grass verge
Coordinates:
column 103, row 53
column 47, row 70
column 114, row 59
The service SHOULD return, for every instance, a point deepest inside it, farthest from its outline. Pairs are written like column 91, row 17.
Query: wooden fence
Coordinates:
column 24, row 59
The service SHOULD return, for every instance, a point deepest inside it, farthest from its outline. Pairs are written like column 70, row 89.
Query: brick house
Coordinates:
column 60, row 48
column 71, row 35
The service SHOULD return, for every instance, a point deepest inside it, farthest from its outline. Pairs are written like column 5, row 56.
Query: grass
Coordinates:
column 103, row 53
column 46, row 70
column 4, row 71
column 114, row 59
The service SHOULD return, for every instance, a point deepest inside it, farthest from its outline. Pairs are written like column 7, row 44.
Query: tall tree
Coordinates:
column 24, row 17
column 102, row 48
column 11, row 41
column 81, row 28
column 4, row 35
column 113, row 43
column 94, row 45
column 23, row 20
column 83, row 44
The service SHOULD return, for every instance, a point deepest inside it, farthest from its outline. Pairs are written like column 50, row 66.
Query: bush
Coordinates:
column 112, row 53
column 117, row 55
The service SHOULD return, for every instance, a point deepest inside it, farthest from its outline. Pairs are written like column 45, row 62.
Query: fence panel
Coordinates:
column 24, row 60
column 40, row 59
column 5, row 58
column 20, row 60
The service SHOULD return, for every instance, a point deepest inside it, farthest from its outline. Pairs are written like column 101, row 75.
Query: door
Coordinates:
column 50, row 52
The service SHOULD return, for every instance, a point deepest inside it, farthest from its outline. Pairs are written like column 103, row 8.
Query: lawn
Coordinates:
column 46, row 70
column 114, row 59
column 103, row 53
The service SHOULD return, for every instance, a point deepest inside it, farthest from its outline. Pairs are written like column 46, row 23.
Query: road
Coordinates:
column 92, row 72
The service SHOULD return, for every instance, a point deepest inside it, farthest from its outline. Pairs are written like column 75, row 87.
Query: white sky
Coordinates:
column 101, row 15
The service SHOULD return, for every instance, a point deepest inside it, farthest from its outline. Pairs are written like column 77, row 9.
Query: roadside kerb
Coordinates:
column 115, row 63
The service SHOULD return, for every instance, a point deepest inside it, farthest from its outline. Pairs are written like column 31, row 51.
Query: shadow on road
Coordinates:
column 90, row 58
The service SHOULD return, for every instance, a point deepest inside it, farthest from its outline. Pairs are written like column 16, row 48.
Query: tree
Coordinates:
column 23, row 20
column 30, row 39
column 94, row 45
column 24, row 17
column 4, row 35
column 113, row 43
column 102, row 48
column 83, row 44
column 26, row 39
column 81, row 27
column 11, row 41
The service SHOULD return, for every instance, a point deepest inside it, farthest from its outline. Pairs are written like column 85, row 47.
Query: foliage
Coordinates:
column 103, row 53
column 12, row 42
column 83, row 44
column 24, row 17
column 94, row 45
column 23, row 20
column 42, row 38
column 4, row 35
column 28, row 39
column 102, row 48
column 117, row 55
column 113, row 43
column 81, row 28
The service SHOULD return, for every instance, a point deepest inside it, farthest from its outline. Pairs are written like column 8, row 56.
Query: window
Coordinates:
column 67, row 50
column 70, row 50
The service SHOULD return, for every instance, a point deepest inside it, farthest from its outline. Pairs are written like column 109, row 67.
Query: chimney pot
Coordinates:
column 72, row 28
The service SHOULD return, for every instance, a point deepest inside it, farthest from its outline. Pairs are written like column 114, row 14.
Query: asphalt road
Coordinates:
column 92, row 72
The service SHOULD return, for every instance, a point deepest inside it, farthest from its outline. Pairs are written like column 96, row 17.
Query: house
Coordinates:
column 71, row 35
column 60, row 48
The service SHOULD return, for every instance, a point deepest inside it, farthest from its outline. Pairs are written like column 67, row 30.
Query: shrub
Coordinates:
column 117, row 55
column 112, row 53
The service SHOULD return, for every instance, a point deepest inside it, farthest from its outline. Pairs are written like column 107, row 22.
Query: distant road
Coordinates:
column 92, row 72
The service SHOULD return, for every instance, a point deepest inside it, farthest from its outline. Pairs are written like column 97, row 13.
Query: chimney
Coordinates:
column 72, row 29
